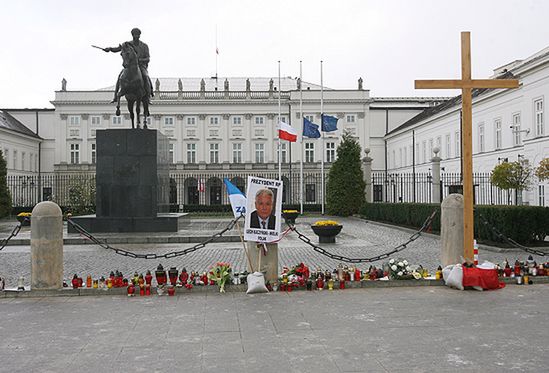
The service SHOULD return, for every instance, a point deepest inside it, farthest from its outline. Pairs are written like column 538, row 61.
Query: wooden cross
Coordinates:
column 466, row 84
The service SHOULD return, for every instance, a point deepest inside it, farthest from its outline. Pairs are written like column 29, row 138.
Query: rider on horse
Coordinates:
column 142, row 51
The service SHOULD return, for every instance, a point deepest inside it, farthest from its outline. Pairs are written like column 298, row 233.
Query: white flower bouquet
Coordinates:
column 399, row 269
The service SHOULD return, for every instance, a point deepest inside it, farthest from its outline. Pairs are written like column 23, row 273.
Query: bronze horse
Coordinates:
column 132, row 86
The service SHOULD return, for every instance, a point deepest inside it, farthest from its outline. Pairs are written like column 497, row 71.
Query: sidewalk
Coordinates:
column 426, row 329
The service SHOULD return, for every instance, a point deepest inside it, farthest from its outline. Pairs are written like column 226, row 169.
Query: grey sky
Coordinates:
column 387, row 42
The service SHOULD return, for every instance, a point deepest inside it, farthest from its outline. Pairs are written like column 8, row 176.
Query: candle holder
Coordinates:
column 131, row 290
column 148, row 278
column 171, row 290
column 21, row 284
column 160, row 274
column 172, row 273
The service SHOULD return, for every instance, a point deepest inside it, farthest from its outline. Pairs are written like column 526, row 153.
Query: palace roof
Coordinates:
column 10, row 123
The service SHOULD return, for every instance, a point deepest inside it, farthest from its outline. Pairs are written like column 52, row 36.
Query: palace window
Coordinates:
column 283, row 153
column 259, row 153
column 191, row 153
column 168, row 121
column 95, row 120
column 538, row 117
column 23, row 160
column 424, row 151
column 93, row 153
column 517, row 135
column 481, row 137
column 237, row 152
column 74, row 120
column 541, row 195
column 310, row 118
column 448, row 146
column 214, row 153
column 457, row 142
column 351, row 118
column 330, row 151
column 191, row 121
column 116, row 120
column 259, row 120
column 171, row 152
column 15, row 159
column 214, row 121
column 237, row 121
column 497, row 129
column 75, row 153
column 310, row 192
column 309, row 152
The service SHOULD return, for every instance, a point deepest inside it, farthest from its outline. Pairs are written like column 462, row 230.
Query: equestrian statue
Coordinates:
column 133, row 81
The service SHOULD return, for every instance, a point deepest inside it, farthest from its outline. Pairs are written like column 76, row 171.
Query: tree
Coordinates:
column 512, row 175
column 5, row 197
column 542, row 171
column 345, row 188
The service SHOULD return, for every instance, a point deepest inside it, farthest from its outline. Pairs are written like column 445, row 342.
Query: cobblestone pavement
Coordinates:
column 418, row 329
column 358, row 239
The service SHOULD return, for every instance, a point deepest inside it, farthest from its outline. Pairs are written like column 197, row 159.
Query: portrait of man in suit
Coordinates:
column 263, row 217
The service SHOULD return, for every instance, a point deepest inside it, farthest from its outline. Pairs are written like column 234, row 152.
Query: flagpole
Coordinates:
column 321, row 131
column 279, row 155
column 301, row 116
column 216, row 54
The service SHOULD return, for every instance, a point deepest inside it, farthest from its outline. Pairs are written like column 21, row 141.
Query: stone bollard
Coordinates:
column 269, row 262
column 46, row 246
column 451, row 229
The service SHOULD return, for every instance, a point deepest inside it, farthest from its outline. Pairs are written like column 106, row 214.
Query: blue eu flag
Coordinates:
column 329, row 123
column 310, row 129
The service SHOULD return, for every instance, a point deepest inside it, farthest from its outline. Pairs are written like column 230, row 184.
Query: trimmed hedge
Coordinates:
column 524, row 224
column 411, row 215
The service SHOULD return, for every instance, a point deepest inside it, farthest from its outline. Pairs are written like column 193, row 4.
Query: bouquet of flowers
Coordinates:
column 220, row 274
column 399, row 269
column 324, row 223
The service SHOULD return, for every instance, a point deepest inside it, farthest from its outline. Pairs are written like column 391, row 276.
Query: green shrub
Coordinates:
column 5, row 197
column 524, row 224
column 345, row 187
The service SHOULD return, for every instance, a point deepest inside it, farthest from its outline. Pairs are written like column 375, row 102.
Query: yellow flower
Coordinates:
column 326, row 223
column 24, row 214
column 289, row 211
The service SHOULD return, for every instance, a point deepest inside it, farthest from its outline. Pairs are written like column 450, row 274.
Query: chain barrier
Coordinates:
column 13, row 233
column 169, row 255
column 510, row 240
column 341, row 258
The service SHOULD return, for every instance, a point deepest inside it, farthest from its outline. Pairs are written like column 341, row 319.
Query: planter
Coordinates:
column 290, row 217
column 326, row 233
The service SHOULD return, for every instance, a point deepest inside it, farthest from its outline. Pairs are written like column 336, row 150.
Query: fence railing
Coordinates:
column 207, row 188
column 418, row 188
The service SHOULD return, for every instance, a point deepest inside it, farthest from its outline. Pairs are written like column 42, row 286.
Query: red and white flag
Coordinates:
column 286, row 132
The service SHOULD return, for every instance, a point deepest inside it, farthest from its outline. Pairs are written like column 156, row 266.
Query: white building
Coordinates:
column 508, row 124
column 222, row 126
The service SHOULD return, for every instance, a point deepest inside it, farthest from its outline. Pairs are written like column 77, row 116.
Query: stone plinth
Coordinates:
column 451, row 229
column 132, row 184
column 132, row 173
column 46, row 246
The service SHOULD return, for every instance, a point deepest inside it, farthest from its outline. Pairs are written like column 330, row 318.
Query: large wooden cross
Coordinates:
column 466, row 84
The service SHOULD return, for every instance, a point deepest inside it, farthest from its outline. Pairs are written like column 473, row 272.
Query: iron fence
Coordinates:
column 207, row 188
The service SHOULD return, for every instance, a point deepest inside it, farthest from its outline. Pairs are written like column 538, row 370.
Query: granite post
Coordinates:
column 267, row 263
column 367, row 172
column 451, row 229
column 436, row 175
column 46, row 246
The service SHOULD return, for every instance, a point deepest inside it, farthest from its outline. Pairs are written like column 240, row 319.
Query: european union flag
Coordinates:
column 329, row 123
column 310, row 129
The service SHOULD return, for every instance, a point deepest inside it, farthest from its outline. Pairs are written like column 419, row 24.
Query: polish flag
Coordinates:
column 286, row 132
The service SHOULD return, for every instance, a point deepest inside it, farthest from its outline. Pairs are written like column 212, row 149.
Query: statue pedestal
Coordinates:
column 132, row 183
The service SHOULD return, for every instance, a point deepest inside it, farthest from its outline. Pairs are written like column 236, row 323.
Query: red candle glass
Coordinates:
column 147, row 289
column 131, row 290
column 171, row 291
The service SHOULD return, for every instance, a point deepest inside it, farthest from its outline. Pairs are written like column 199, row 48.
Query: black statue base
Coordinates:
column 166, row 222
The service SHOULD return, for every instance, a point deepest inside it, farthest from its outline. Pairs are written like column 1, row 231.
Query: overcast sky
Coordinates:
column 387, row 42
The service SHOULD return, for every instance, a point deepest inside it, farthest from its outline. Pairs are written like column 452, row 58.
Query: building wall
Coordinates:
column 495, row 113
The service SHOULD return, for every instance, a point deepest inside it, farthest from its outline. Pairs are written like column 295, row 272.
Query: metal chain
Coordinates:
column 14, row 233
column 510, row 240
column 341, row 258
column 169, row 255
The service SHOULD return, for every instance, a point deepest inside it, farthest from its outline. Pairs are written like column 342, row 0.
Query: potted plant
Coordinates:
column 24, row 218
column 290, row 216
column 326, row 230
